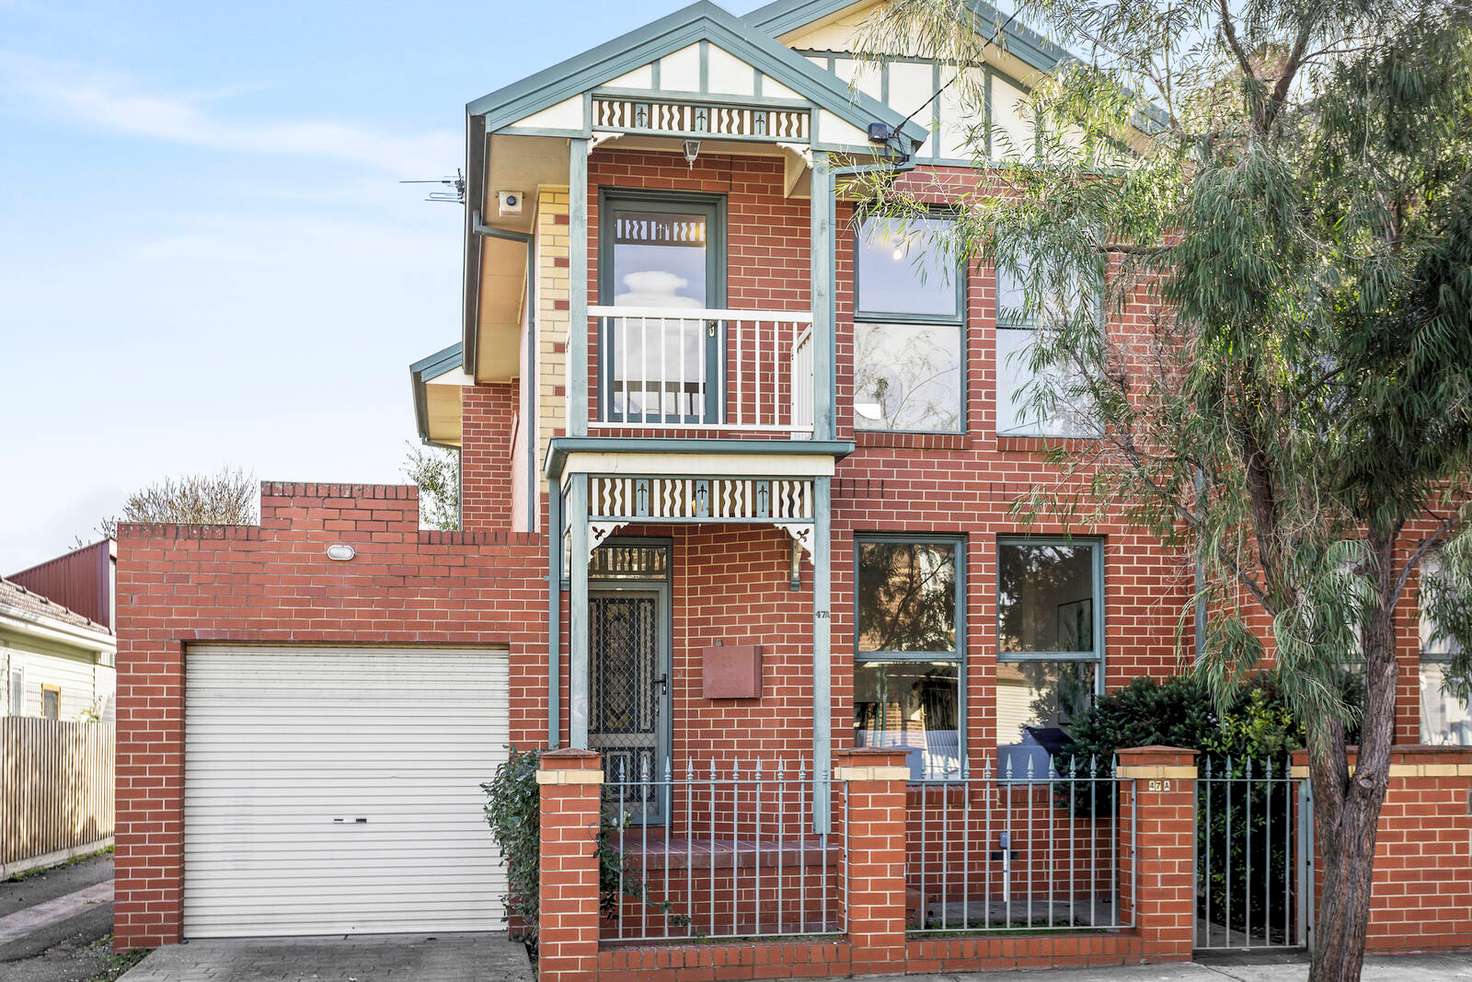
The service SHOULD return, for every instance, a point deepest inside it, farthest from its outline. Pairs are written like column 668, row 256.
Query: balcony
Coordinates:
column 704, row 369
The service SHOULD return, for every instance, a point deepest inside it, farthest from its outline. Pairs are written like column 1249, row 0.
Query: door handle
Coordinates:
column 664, row 683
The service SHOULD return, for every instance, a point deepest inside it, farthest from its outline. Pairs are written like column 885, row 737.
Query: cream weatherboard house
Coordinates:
column 57, row 648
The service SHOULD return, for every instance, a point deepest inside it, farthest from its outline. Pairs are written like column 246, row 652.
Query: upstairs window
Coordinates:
column 908, row 314
column 1018, row 324
column 911, row 628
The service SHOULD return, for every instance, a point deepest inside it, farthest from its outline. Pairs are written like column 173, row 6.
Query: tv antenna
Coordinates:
column 454, row 188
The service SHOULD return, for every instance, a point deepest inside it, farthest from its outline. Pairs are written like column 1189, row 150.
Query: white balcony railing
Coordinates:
column 661, row 368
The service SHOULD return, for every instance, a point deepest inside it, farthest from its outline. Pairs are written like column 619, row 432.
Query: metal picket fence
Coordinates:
column 1254, row 855
column 723, row 851
column 1048, row 848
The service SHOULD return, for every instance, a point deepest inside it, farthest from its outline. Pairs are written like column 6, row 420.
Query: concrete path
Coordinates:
column 32, row 919
column 411, row 958
column 52, row 923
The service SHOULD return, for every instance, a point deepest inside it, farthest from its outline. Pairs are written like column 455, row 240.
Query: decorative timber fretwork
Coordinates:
column 681, row 499
column 614, row 501
column 700, row 119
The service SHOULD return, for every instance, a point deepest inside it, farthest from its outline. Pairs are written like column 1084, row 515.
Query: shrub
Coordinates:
column 1256, row 733
column 514, row 813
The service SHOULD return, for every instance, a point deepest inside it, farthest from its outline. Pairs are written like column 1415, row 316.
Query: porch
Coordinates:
column 659, row 567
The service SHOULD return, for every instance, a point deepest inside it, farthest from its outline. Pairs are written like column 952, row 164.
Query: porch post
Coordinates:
column 822, row 654
column 554, row 614
column 820, row 209
column 577, row 710
column 577, row 289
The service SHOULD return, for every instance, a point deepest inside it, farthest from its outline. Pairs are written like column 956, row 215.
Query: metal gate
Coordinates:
column 1254, row 856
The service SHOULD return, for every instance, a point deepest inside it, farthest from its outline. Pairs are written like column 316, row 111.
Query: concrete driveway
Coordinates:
column 393, row 957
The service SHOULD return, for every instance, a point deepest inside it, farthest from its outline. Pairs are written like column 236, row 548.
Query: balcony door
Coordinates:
column 660, row 254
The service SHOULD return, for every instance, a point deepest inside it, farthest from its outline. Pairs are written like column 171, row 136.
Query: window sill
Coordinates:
column 1045, row 444
column 909, row 439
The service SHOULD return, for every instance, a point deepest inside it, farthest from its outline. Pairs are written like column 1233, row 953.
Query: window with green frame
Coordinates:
column 909, row 313
column 1050, row 645
column 909, row 644
column 1445, row 719
column 1020, row 316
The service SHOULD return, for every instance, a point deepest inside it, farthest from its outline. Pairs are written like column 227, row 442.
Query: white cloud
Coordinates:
column 120, row 104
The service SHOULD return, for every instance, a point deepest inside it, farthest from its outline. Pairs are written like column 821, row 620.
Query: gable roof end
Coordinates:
column 421, row 373
column 784, row 16
column 701, row 21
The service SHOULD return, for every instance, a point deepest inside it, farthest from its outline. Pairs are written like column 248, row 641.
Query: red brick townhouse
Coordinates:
column 738, row 548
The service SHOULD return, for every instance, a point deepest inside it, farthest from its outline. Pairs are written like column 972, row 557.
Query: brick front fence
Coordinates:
column 1423, row 890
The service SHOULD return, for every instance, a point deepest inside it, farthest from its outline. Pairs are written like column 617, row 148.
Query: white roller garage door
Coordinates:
column 337, row 790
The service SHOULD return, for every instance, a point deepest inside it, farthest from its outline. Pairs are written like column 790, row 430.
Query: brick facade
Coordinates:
column 488, row 412
column 729, row 586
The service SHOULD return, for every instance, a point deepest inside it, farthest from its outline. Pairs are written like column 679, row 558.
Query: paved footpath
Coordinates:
column 1402, row 968
column 474, row 958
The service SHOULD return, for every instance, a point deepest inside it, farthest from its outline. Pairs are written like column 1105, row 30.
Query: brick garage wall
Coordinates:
column 488, row 417
column 273, row 583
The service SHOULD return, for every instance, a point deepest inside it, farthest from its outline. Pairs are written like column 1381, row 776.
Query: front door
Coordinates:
column 629, row 699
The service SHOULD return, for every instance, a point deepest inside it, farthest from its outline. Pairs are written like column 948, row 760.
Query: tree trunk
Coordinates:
column 1343, row 912
column 1347, row 801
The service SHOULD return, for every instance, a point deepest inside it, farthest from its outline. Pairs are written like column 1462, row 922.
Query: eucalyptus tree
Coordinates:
column 1269, row 203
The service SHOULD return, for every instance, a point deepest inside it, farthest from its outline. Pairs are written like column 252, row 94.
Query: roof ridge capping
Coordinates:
column 700, row 21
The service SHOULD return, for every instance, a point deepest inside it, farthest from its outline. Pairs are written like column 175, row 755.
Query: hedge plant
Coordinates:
column 514, row 812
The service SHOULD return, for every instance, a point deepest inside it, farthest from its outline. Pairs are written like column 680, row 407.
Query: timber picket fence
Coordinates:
column 56, row 790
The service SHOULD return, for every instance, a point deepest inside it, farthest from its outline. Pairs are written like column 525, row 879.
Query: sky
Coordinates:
column 206, row 259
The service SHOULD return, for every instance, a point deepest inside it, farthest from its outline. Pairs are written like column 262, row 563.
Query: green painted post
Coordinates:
column 554, row 614
column 822, row 652
column 820, row 204
column 577, row 696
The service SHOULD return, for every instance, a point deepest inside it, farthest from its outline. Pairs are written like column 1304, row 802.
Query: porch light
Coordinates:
column 341, row 552
column 692, row 150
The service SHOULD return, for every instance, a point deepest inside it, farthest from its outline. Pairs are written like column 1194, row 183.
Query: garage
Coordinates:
column 337, row 790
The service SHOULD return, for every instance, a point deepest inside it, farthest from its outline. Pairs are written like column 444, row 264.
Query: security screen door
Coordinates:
column 629, row 682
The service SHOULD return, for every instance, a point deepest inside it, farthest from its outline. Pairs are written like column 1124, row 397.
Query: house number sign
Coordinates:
column 1159, row 786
